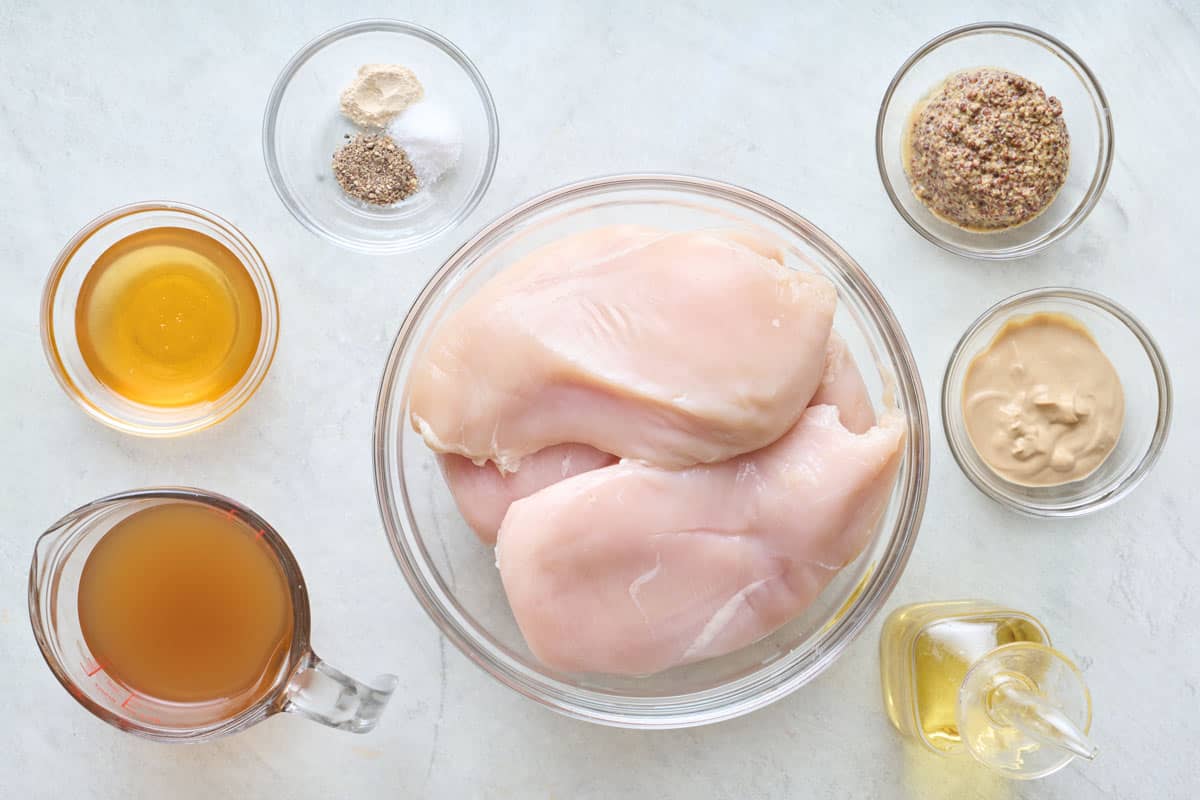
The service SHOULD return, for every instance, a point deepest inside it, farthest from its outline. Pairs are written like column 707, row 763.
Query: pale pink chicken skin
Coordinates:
column 483, row 494
column 632, row 570
column 842, row 385
column 629, row 341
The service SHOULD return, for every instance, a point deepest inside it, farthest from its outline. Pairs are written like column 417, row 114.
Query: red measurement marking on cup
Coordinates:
column 142, row 714
column 231, row 513
column 260, row 533
column 91, row 666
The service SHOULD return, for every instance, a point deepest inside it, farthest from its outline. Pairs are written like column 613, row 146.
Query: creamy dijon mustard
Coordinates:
column 1043, row 405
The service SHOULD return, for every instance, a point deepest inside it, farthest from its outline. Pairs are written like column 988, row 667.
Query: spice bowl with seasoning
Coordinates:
column 994, row 140
column 380, row 136
column 1056, row 402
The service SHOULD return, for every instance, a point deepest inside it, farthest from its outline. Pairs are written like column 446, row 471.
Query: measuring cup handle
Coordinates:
column 333, row 698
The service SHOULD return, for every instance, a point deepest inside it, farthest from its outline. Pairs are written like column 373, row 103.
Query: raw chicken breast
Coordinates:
column 761, row 243
column 563, row 255
column 672, row 349
column 483, row 494
column 631, row 569
column 842, row 385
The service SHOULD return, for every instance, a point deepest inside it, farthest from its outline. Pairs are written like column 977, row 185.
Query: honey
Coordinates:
column 185, row 603
column 168, row 317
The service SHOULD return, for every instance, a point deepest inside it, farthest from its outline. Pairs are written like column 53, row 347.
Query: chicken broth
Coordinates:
column 184, row 603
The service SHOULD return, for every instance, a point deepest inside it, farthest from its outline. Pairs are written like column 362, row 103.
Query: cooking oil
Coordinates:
column 968, row 676
column 168, row 317
column 925, row 651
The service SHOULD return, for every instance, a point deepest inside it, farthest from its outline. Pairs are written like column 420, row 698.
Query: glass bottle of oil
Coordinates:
column 968, row 676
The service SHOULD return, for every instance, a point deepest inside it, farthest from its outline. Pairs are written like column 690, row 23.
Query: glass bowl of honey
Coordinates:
column 159, row 319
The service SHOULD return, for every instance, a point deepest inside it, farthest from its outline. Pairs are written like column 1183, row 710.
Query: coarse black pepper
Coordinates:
column 371, row 167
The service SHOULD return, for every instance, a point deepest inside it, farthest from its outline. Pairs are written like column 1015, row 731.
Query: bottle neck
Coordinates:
column 1024, row 710
column 1014, row 703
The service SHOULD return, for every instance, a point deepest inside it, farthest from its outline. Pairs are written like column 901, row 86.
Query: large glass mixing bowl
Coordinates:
column 454, row 577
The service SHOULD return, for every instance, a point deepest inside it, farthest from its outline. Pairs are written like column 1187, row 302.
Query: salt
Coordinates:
column 431, row 137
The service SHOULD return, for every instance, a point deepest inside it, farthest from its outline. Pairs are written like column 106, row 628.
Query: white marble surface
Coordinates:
column 106, row 103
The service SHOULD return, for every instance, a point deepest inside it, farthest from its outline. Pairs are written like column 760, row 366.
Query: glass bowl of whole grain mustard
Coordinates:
column 994, row 174
column 1059, row 441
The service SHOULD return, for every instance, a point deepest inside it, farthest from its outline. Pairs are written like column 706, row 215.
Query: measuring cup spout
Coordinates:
column 333, row 698
column 49, row 542
column 46, row 552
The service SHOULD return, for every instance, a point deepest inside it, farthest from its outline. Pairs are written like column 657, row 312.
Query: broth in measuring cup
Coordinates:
column 180, row 615
column 184, row 603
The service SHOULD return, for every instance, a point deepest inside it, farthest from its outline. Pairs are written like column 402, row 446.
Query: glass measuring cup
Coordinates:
column 304, row 683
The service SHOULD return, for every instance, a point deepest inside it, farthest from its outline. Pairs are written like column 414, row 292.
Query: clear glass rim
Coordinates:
column 225, row 406
column 269, row 704
column 739, row 696
column 1121, row 485
column 302, row 57
column 1103, row 163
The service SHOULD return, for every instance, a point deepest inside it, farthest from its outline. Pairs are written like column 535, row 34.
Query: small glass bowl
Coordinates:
column 455, row 578
column 1144, row 379
column 303, row 126
column 58, row 320
column 1042, row 59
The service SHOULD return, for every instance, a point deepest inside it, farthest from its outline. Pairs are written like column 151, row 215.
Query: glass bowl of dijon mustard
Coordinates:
column 1056, row 402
